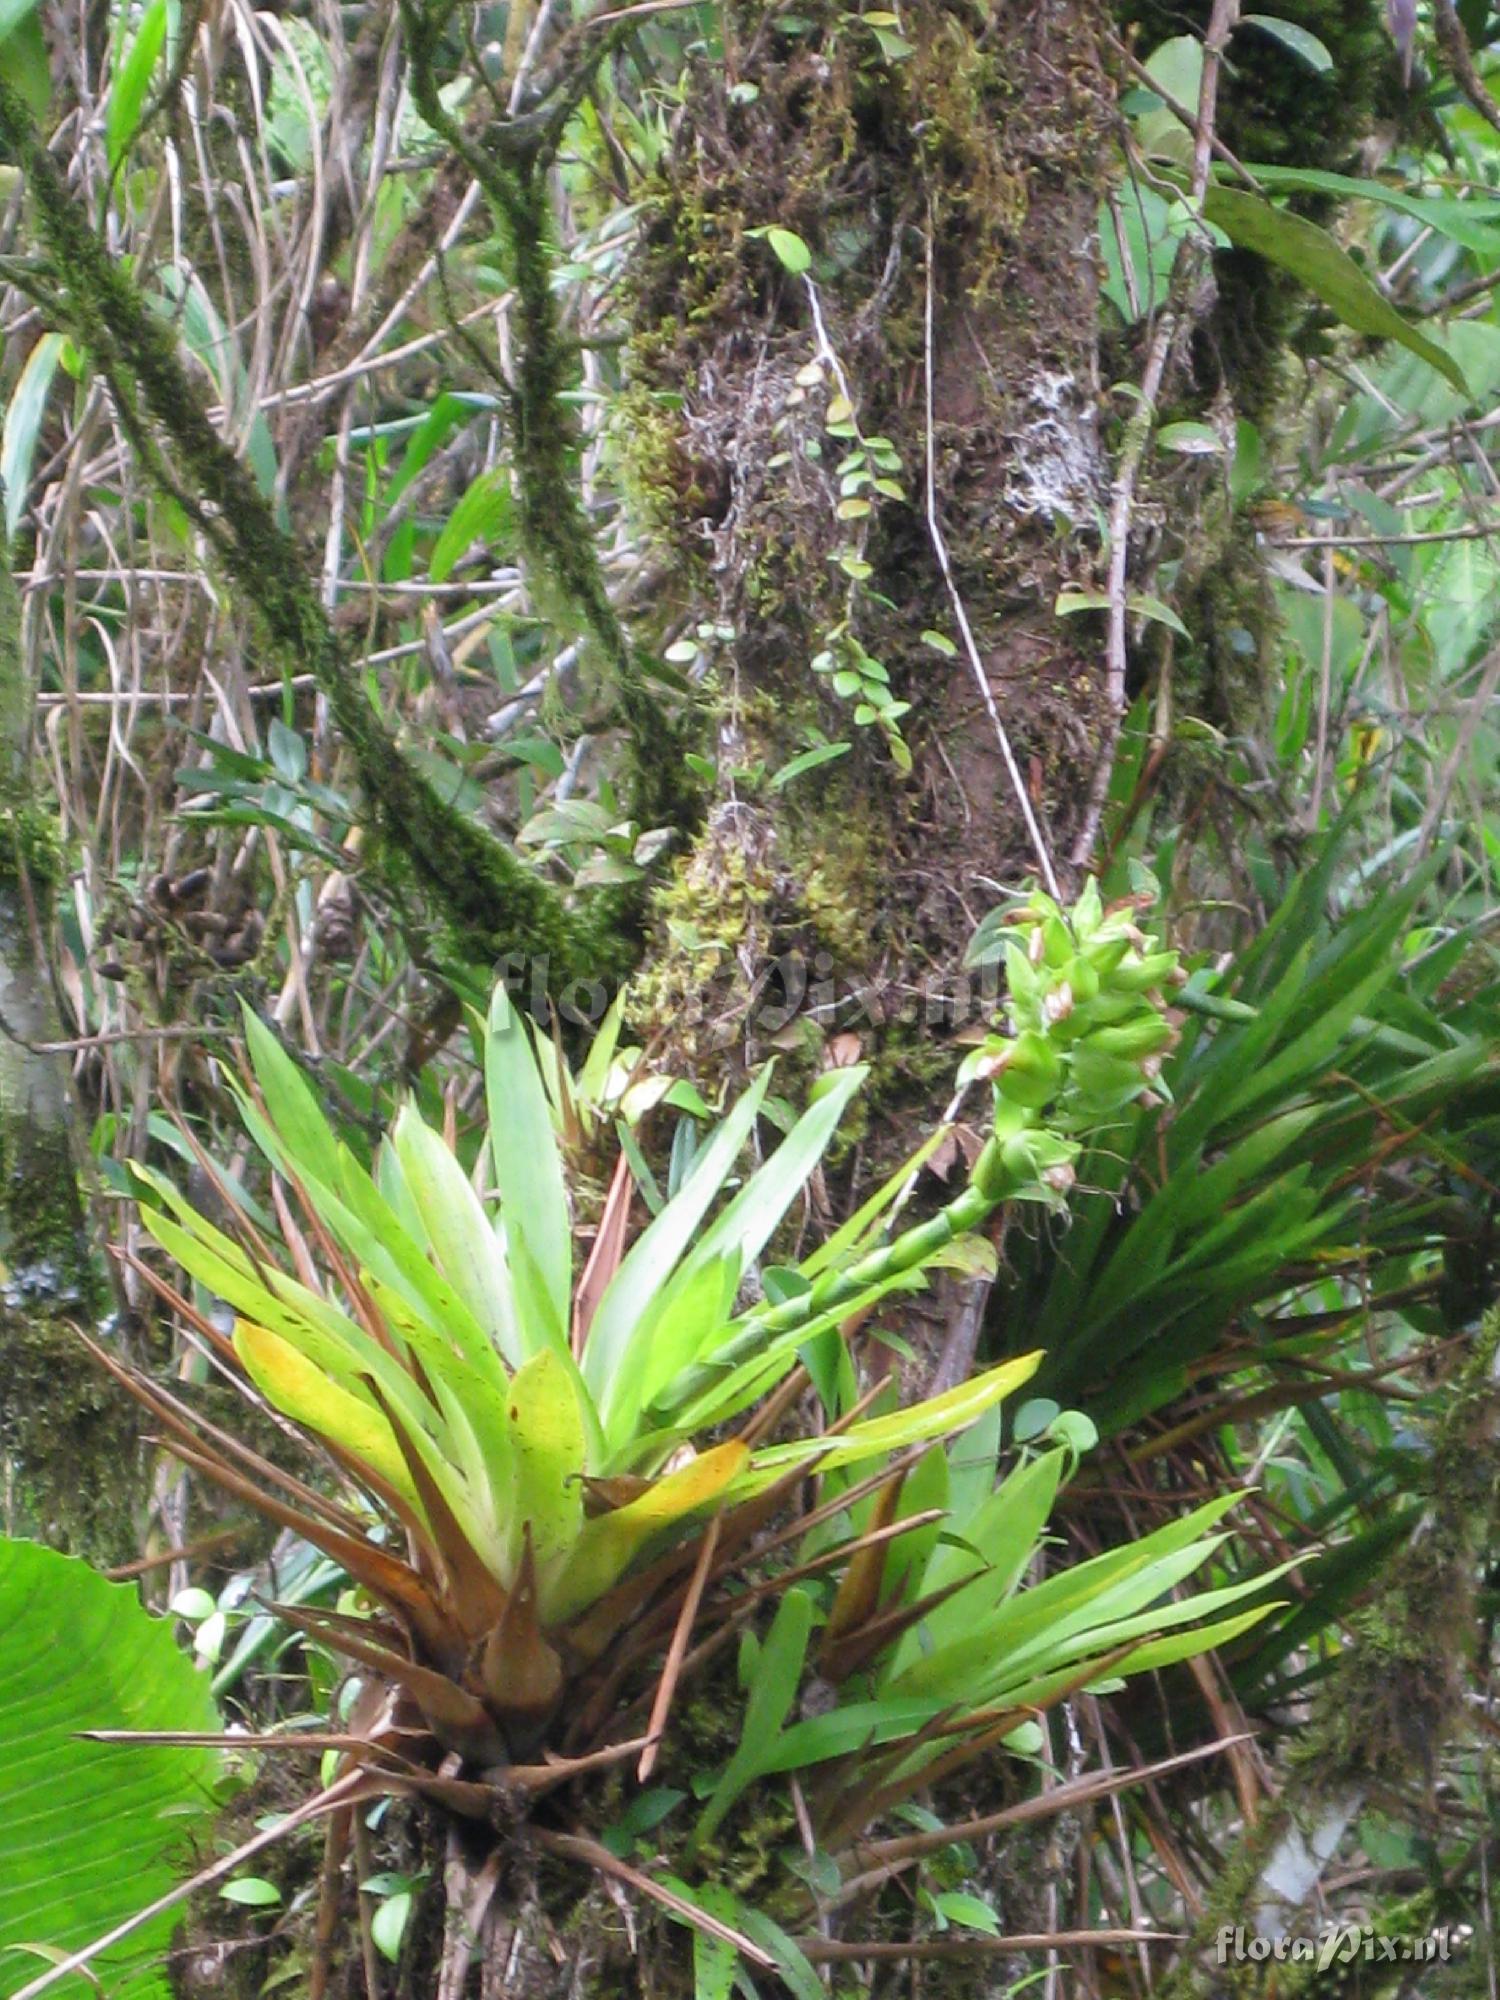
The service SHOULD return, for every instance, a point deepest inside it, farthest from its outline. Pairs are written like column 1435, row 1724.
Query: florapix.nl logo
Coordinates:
column 1339, row 1944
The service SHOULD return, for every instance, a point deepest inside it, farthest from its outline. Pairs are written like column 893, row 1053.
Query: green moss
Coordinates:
column 30, row 848
column 46, row 1251
column 71, row 1440
column 709, row 919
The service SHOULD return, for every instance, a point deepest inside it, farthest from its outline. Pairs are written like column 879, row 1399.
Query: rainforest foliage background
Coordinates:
column 749, row 1040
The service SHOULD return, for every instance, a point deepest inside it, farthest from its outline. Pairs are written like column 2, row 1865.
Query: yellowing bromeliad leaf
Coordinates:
column 327, row 1336
column 549, row 1457
column 608, row 1544
column 952, row 1411
column 302, row 1391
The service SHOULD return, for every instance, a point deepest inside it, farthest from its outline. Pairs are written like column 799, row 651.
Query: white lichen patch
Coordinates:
column 1057, row 468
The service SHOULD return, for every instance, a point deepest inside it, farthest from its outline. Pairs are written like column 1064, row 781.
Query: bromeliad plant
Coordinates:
column 937, row 1647
column 542, row 1444
column 533, row 1442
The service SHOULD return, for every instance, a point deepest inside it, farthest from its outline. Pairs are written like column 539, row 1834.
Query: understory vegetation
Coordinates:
column 749, row 1026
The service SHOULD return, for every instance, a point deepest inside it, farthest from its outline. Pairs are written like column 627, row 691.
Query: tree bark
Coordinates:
column 946, row 181
column 67, row 1439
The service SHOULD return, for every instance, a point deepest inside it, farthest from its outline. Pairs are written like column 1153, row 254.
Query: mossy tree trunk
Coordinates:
column 68, row 1446
column 1385, row 1718
column 942, row 185
column 786, row 424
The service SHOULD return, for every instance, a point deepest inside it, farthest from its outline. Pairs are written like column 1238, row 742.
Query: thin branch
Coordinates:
column 577, row 1847
column 836, row 1950
column 1190, row 252
column 961, row 616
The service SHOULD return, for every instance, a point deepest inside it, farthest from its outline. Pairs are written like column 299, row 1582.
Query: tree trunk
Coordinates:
column 67, row 1438
column 947, row 182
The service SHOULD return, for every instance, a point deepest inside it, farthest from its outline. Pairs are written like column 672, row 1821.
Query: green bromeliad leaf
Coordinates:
column 937, row 1417
column 549, row 1456
column 305, row 1393
column 434, row 1350
column 606, row 1546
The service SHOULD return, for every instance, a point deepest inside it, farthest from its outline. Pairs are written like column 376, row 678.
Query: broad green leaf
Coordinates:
column 1191, row 440
column 1177, row 65
column 251, row 1892
column 388, row 1925
column 935, row 1417
column 132, row 84
column 973, row 1459
column 971, row 1911
column 92, row 1832
column 1313, row 257
column 528, row 1171
column 1473, row 223
column 23, row 422
column 1302, row 43
column 28, row 59
column 790, row 250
